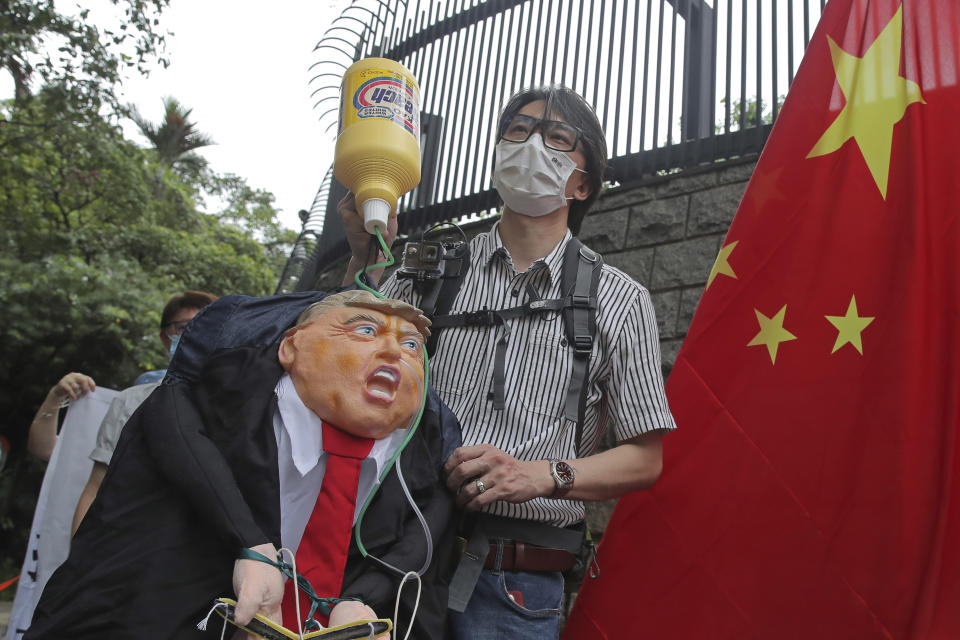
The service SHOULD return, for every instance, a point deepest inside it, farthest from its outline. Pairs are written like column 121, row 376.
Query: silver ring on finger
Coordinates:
column 480, row 486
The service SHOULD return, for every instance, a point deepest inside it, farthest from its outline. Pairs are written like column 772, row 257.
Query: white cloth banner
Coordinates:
column 66, row 475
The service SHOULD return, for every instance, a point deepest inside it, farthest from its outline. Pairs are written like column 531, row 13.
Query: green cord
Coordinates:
column 423, row 400
column 389, row 263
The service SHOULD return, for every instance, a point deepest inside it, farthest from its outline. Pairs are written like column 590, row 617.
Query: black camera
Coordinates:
column 433, row 259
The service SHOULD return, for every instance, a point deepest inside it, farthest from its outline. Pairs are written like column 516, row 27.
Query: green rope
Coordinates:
column 388, row 263
column 423, row 400
column 324, row 605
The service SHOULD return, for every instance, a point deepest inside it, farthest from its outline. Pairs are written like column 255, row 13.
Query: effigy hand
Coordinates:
column 259, row 587
column 351, row 611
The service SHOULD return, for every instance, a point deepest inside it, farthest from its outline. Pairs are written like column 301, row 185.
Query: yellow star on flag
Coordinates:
column 771, row 333
column 721, row 266
column 876, row 99
column 849, row 327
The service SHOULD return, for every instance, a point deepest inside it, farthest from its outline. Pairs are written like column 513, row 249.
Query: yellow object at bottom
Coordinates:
column 270, row 630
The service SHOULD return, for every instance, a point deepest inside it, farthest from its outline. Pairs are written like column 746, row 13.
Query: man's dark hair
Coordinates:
column 185, row 300
column 573, row 109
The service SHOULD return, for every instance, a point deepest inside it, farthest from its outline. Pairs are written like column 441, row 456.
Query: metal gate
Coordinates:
column 675, row 83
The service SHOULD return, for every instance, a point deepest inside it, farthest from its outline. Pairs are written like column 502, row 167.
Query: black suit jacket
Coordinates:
column 194, row 479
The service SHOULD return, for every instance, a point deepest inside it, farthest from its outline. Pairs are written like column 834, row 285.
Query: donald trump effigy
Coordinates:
column 294, row 444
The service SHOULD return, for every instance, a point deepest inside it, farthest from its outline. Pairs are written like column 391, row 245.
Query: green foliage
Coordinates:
column 745, row 115
column 41, row 46
column 175, row 137
column 95, row 235
column 95, row 232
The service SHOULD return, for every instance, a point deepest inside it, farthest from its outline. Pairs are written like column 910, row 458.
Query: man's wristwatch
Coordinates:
column 563, row 476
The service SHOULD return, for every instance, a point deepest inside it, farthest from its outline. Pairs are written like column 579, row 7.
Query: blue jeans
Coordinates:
column 493, row 614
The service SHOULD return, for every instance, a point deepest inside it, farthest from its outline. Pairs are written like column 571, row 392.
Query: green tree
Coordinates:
column 95, row 234
column 82, row 202
column 41, row 46
column 747, row 114
column 175, row 138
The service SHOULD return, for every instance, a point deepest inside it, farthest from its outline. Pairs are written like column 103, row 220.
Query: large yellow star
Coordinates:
column 721, row 266
column 771, row 333
column 849, row 327
column 876, row 99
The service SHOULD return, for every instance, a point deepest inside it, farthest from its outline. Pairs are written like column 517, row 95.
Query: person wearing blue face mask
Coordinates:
column 176, row 315
column 533, row 403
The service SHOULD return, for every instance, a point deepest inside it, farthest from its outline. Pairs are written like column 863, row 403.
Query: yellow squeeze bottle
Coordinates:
column 378, row 145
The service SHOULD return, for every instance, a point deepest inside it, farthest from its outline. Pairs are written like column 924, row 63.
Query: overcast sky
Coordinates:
column 243, row 67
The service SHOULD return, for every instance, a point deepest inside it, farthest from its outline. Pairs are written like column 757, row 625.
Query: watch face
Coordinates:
column 564, row 472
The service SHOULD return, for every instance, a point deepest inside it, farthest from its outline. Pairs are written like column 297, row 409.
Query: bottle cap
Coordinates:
column 375, row 214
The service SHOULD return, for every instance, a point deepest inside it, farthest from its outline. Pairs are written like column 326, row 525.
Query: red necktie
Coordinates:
column 322, row 554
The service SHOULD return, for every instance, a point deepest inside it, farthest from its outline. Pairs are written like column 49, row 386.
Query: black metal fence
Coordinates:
column 676, row 84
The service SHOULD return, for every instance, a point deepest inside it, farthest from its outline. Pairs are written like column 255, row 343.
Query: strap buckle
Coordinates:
column 583, row 302
column 482, row 317
column 583, row 344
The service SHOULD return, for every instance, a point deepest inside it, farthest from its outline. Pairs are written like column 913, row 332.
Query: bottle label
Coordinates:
column 378, row 93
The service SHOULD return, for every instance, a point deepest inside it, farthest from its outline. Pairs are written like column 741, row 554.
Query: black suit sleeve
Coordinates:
column 392, row 532
column 192, row 462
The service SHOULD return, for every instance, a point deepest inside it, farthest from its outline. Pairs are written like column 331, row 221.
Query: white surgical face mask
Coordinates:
column 530, row 178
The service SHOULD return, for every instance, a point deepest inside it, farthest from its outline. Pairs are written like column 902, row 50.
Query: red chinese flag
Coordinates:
column 812, row 490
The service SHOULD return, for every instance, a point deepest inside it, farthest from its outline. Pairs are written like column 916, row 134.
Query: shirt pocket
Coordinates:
column 542, row 373
column 462, row 358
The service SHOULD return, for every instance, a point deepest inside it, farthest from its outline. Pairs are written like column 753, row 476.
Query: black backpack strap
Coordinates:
column 437, row 297
column 580, row 277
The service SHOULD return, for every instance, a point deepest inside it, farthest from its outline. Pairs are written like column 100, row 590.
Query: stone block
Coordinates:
column 636, row 263
column 688, row 305
column 681, row 264
column 658, row 221
column 598, row 515
column 623, row 197
column 605, row 230
column 666, row 305
column 668, row 354
column 736, row 173
column 712, row 211
column 686, row 183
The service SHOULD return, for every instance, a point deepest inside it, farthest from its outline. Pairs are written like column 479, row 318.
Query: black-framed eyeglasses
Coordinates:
column 556, row 135
column 176, row 328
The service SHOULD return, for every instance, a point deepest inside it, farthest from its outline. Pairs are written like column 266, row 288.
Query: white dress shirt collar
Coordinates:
column 304, row 428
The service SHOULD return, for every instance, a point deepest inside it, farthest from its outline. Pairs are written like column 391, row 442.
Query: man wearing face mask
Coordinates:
column 177, row 313
column 526, row 468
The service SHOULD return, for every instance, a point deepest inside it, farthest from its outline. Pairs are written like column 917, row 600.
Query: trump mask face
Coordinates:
column 356, row 361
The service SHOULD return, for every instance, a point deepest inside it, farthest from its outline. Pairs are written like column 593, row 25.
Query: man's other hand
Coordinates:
column 359, row 239
column 502, row 477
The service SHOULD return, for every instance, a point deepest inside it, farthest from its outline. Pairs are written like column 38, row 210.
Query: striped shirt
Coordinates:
column 625, row 384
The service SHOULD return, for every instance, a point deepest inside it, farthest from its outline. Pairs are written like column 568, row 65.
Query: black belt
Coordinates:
column 520, row 556
column 476, row 549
